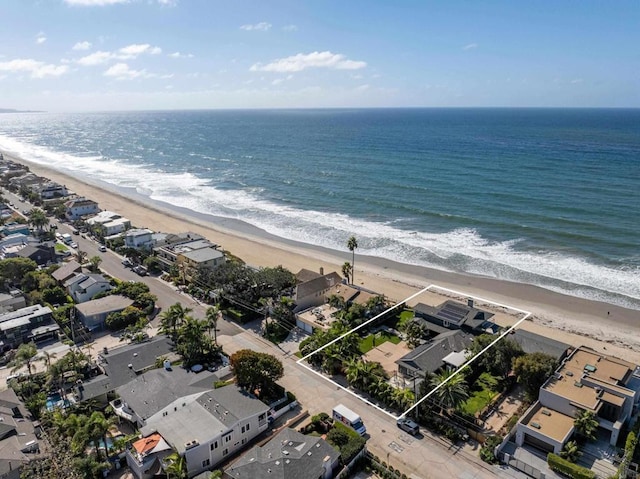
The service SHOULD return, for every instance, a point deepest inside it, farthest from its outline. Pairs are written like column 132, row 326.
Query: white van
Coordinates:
column 348, row 417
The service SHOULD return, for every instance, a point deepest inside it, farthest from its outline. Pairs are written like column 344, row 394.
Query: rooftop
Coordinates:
column 429, row 357
column 533, row 343
column 454, row 313
column 107, row 304
column 203, row 255
column 66, row 270
column 551, row 423
column 317, row 285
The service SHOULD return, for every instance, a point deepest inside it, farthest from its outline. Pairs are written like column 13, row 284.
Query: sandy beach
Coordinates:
column 605, row 327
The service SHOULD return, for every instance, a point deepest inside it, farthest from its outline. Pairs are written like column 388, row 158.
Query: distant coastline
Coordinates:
column 11, row 110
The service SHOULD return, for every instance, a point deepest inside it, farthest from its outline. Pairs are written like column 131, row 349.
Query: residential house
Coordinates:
column 288, row 455
column 200, row 259
column 12, row 301
column 115, row 226
column 145, row 456
column 536, row 343
column 167, row 253
column 19, row 436
column 209, row 427
column 28, row 180
column 51, row 190
column 43, row 253
column 79, row 207
column 9, row 229
column 585, row 381
column 16, row 327
column 138, row 238
column 14, row 240
column 93, row 314
column 315, row 291
column 83, row 287
column 454, row 315
column 66, row 271
column 445, row 350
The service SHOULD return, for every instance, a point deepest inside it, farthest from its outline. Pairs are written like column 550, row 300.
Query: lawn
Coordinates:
column 404, row 317
column 60, row 247
column 366, row 344
column 482, row 392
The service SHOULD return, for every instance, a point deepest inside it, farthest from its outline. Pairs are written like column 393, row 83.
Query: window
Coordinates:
column 227, row 438
column 244, row 440
column 225, row 452
column 248, row 426
column 242, row 430
column 214, row 445
column 206, row 463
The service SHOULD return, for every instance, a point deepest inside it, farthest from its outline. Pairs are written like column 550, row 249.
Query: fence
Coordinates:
column 521, row 466
column 347, row 470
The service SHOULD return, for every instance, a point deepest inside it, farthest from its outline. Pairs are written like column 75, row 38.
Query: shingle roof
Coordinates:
column 66, row 271
column 288, row 455
column 532, row 343
column 318, row 284
column 429, row 356
column 107, row 304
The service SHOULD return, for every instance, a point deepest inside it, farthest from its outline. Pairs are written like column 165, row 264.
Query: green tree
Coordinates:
column 25, row 356
column 121, row 319
column 453, row 393
column 213, row 315
column 94, row 263
column 571, row 451
column 256, row 371
column 352, row 244
column 57, row 462
column 363, row 374
column 13, row 270
column 414, row 332
column 135, row 333
column 499, row 359
column 532, row 370
column 586, row 424
column 192, row 342
column 55, row 295
column 346, row 270
column 172, row 318
column 38, row 219
column 176, row 466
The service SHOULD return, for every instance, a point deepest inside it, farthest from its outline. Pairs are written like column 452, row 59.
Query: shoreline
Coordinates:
column 553, row 314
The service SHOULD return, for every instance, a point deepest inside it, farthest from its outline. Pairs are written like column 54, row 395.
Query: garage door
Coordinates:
column 538, row 443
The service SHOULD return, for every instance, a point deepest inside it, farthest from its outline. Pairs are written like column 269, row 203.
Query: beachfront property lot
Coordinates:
column 455, row 310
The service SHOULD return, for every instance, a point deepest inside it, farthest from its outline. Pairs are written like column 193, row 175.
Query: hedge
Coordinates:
column 558, row 464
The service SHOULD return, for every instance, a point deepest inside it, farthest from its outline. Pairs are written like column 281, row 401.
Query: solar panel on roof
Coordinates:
column 452, row 313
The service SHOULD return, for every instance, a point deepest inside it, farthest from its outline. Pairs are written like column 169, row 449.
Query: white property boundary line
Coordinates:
column 430, row 393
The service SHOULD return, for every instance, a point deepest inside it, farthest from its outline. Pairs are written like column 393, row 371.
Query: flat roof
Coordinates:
column 552, row 424
column 570, row 388
column 600, row 366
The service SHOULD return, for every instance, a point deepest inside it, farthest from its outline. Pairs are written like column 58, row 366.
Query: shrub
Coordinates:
column 557, row 464
column 488, row 448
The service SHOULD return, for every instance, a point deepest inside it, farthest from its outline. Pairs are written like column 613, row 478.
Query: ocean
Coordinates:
column 549, row 197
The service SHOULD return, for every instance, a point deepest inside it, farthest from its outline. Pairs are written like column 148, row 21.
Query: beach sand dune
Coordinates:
column 605, row 327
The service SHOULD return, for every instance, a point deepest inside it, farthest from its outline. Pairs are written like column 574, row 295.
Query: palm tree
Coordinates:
column 172, row 318
column 352, row 244
column 586, row 424
column 213, row 315
column 346, row 270
column 25, row 356
column 176, row 466
column 452, row 393
column 47, row 358
column 38, row 219
column 571, row 451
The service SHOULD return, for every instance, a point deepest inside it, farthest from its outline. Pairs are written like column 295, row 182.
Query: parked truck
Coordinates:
column 67, row 238
column 348, row 417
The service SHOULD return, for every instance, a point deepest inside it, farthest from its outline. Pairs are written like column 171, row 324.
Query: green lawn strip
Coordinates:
column 60, row 247
column 482, row 392
column 405, row 316
column 366, row 344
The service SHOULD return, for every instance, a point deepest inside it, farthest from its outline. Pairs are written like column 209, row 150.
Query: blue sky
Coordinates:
column 62, row 55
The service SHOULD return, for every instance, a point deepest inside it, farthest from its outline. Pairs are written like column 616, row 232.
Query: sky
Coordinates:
column 96, row 55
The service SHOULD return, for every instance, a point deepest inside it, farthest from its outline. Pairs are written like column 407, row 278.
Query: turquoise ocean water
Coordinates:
column 542, row 196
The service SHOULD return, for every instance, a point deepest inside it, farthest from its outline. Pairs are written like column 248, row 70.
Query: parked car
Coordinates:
column 140, row 270
column 126, row 262
column 102, row 248
column 408, row 425
column 74, row 245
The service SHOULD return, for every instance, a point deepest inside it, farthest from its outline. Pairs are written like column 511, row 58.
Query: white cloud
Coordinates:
column 168, row 3
column 41, row 38
column 470, row 46
column 262, row 27
column 180, row 55
column 82, row 46
column 96, row 58
column 35, row 68
column 94, row 3
column 121, row 71
column 577, row 80
column 302, row 61
column 290, row 28
column 132, row 51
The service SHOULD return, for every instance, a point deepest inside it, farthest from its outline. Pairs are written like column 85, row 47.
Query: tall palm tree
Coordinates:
column 213, row 315
column 25, row 356
column 38, row 219
column 586, row 424
column 346, row 270
column 352, row 244
column 172, row 318
column 451, row 394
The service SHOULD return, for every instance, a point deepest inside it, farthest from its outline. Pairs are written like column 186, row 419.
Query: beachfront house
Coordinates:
column 454, row 315
column 288, row 455
column 108, row 223
column 586, row 380
column 138, row 238
column 190, row 262
column 50, row 190
column 168, row 250
column 76, row 208
column 314, row 292
column 93, row 314
column 19, row 436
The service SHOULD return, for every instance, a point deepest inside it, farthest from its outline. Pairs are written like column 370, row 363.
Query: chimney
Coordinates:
column 321, row 271
column 470, row 302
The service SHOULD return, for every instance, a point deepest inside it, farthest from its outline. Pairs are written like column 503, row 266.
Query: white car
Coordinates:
column 74, row 245
column 102, row 248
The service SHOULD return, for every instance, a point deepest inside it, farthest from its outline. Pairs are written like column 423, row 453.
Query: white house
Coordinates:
column 79, row 207
column 115, row 226
column 138, row 238
column 52, row 190
column 83, row 287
